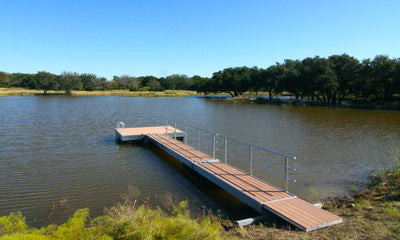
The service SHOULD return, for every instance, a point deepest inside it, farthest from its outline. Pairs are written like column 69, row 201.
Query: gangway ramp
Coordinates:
column 258, row 194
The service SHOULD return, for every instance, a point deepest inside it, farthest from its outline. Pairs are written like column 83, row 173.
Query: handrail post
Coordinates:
column 251, row 159
column 175, row 130
column 186, row 135
column 198, row 139
column 287, row 174
column 214, row 135
column 225, row 149
column 166, row 127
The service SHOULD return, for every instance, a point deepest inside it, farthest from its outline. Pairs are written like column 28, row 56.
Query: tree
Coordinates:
column 70, row 81
column 256, row 80
column 45, row 81
column 291, row 81
column 383, row 71
column 201, row 85
column 125, row 82
column 319, row 80
column 23, row 80
column 233, row 80
column 347, row 70
column 4, row 79
column 177, row 82
column 396, row 81
column 88, row 81
column 272, row 77
column 145, row 81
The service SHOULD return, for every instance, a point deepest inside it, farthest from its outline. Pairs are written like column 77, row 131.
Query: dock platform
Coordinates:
column 256, row 193
column 134, row 134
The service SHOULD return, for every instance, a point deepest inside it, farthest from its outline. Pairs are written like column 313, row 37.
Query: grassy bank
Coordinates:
column 126, row 93
column 373, row 213
column 124, row 221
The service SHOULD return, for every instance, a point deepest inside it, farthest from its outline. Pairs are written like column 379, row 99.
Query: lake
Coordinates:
column 59, row 154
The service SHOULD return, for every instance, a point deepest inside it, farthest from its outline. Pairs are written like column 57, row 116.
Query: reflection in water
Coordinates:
column 58, row 154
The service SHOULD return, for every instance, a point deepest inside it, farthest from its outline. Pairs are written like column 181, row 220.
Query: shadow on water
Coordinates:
column 109, row 140
column 205, row 195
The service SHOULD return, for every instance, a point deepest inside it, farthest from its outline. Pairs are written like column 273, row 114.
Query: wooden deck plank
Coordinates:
column 303, row 214
column 251, row 186
column 180, row 148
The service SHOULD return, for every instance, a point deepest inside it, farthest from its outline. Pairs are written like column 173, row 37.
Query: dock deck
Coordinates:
column 134, row 134
column 256, row 193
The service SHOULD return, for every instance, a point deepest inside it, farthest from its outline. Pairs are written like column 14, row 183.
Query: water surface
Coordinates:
column 58, row 154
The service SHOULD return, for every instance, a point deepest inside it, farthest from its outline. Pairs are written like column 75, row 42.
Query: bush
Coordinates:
column 144, row 89
column 12, row 223
column 124, row 221
column 386, row 182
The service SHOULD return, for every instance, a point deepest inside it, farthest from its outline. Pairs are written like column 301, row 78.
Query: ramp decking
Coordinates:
column 256, row 193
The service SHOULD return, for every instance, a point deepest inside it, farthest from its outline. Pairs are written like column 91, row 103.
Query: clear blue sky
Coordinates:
column 161, row 38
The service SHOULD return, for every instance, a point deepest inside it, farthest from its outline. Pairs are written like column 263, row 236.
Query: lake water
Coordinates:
column 59, row 154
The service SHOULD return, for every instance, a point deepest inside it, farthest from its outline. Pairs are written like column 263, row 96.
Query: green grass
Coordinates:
column 124, row 221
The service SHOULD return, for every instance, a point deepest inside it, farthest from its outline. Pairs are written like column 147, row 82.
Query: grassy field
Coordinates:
column 126, row 93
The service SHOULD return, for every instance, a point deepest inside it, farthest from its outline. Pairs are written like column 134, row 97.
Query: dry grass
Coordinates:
column 126, row 93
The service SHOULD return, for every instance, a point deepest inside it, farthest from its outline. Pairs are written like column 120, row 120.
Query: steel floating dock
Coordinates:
column 256, row 193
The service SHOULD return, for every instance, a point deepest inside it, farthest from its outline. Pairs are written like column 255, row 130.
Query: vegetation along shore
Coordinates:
column 372, row 213
column 318, row 80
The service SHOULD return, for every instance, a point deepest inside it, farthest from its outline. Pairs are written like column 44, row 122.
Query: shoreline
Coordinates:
column 261, row 99
column 10, row 92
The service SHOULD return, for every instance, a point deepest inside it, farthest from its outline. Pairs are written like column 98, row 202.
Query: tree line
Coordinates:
column 324, row 80
column 68, row 81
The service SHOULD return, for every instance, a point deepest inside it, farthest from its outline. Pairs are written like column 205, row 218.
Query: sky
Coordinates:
column 161, row 38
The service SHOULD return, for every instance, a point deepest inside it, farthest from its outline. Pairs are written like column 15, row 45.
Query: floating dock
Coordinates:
column 134, row 134
column 256, row 193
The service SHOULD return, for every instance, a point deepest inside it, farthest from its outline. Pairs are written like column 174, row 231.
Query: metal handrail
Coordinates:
column 121, row 125
column 250, row 152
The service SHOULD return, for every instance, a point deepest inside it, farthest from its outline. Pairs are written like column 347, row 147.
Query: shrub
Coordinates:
column 13, row 223
column 144, row 89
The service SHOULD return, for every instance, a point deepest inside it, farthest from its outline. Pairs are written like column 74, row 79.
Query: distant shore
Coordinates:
column 245, row 98
column 4, row 92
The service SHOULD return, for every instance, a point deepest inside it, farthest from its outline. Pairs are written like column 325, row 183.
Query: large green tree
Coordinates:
column 348, row 72
column 272, row 77
column 233, row 80
column 88, row 81
column 291, row 81
column 70, row 81
column 45, row 81
column 4, row 79
column 256, row 80
column 383, row 72
column 177, row 82
column 24, row 80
